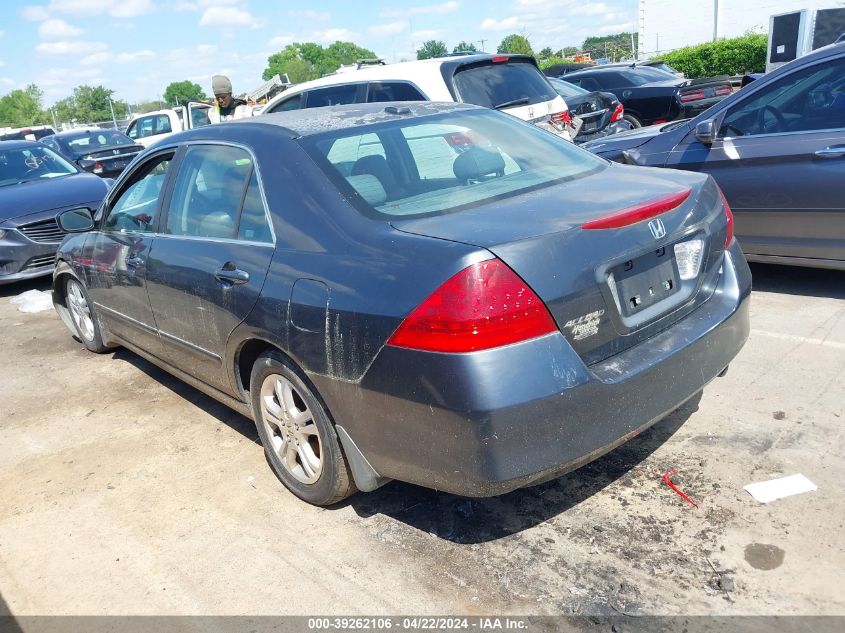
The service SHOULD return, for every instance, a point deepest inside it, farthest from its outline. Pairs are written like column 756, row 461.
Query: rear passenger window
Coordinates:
column 208, row 191
column 333, row 95
column 254, row 226
column 393, row 91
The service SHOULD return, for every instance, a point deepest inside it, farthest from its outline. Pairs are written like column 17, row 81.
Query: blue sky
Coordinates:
column 137, row 47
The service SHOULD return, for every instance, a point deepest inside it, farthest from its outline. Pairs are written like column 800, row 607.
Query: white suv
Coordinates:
column 510, row 83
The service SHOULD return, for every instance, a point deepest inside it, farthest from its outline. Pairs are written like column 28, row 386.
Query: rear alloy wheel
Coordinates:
column 298, row 438
column 83, row 316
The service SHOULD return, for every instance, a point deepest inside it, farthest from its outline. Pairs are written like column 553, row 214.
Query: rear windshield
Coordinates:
column 444, row 163
column 92, row 141
column 493, row 85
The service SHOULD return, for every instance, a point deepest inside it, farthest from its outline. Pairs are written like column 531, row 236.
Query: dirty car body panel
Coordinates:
column 368, row 225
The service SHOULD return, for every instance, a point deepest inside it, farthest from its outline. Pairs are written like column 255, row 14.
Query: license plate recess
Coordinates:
column 641, row 282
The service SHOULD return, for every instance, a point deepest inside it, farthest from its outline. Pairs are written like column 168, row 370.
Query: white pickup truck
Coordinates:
column 151, row 127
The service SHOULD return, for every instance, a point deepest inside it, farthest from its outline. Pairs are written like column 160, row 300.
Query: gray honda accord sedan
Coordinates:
column 436, row 293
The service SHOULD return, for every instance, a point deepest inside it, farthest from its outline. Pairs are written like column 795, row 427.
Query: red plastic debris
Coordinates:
column 667, row 479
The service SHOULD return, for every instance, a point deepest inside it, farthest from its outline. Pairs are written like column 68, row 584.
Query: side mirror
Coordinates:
column 76, row 220
column 706, row 131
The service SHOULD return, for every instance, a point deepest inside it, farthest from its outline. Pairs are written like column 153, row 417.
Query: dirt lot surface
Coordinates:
column 124, row 491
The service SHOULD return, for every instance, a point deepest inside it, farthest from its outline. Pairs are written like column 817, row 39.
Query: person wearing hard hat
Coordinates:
column 226, row 107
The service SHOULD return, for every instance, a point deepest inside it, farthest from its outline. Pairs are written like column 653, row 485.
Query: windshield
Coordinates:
column 436, row 164
column 93, row 141
column 566, row 89
column 503, row 84
column 23, row 164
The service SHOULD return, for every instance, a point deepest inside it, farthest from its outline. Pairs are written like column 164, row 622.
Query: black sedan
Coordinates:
column 600, row 113
column 35, row 185
column 777, row 150
column 651, row 96
column 102, row 152
column 386, row 304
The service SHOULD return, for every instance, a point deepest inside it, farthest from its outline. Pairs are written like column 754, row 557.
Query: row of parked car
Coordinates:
column 361, row 279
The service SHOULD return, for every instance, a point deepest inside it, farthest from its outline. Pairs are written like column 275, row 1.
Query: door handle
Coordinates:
column 134, row 262
column 836, row 151
column 232, row 275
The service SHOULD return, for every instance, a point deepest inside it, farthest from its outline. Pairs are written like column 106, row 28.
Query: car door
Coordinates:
column 210, row 260
column 780, row 160
column 120, row 249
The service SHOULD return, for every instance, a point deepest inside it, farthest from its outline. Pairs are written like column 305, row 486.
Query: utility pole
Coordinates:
column 113, row 119
column 482, row 40
column 55, row 125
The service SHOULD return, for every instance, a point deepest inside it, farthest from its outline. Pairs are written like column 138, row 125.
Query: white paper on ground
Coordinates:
column 765, row 491
column 33, row 301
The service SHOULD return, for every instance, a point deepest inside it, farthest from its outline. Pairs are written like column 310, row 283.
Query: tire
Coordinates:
column 297, row 433
column 634, row 121
column 83, row 316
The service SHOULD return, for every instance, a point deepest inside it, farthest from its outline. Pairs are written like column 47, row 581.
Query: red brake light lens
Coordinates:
column 730, row 217
column 723, row 91
column 618, row 113
column 692, row 95
column 640, row 212
column 561, row 118
column 483, row 306
column 498, row 59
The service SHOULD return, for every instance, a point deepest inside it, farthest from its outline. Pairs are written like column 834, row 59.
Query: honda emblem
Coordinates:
column 657, row 229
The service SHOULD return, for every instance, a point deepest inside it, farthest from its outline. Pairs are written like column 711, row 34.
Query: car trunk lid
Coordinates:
column 589, row 277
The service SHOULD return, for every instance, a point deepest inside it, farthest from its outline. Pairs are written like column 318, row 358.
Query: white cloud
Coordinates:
column 280, row 41
column 228, row 17
column 334, row 34
column 34, row 13
column 69, row 48
column 130, row 58
column 616, row 28
column 390, row 28
column 131, row 8
column 425, row 34
column 96, row 59
column 57, row 30
column 2, row 63
column 491, row 24
column 590, row 8
column 319, row 16
column 428, row 9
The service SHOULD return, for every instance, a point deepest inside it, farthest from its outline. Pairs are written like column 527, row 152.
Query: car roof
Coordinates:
column 425, row 73
column 86, row 130
column 316, row 120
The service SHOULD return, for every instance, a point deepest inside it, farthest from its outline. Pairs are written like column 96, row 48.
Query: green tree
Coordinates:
column 146, row 106
column 305, row 61
column 546, row 53
column 20, row 108
column 463, row 46
column 431, row 48
column 514, row 43
column 567, row 51
column 89, row 104
column 612, row 46
column 179, row 91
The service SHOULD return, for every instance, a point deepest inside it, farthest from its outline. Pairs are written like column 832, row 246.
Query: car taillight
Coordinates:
column 618, row 113
column 499, row 59
column 692, row 95
column 561, row 118
column 483, row 306
column 730, row 218
column 723, row 91
column 640, row 212
column 98, row 168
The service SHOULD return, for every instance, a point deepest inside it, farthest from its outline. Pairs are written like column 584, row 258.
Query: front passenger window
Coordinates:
column 135, row 207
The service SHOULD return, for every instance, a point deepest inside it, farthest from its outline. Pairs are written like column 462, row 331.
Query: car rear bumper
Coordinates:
column 489, row 422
